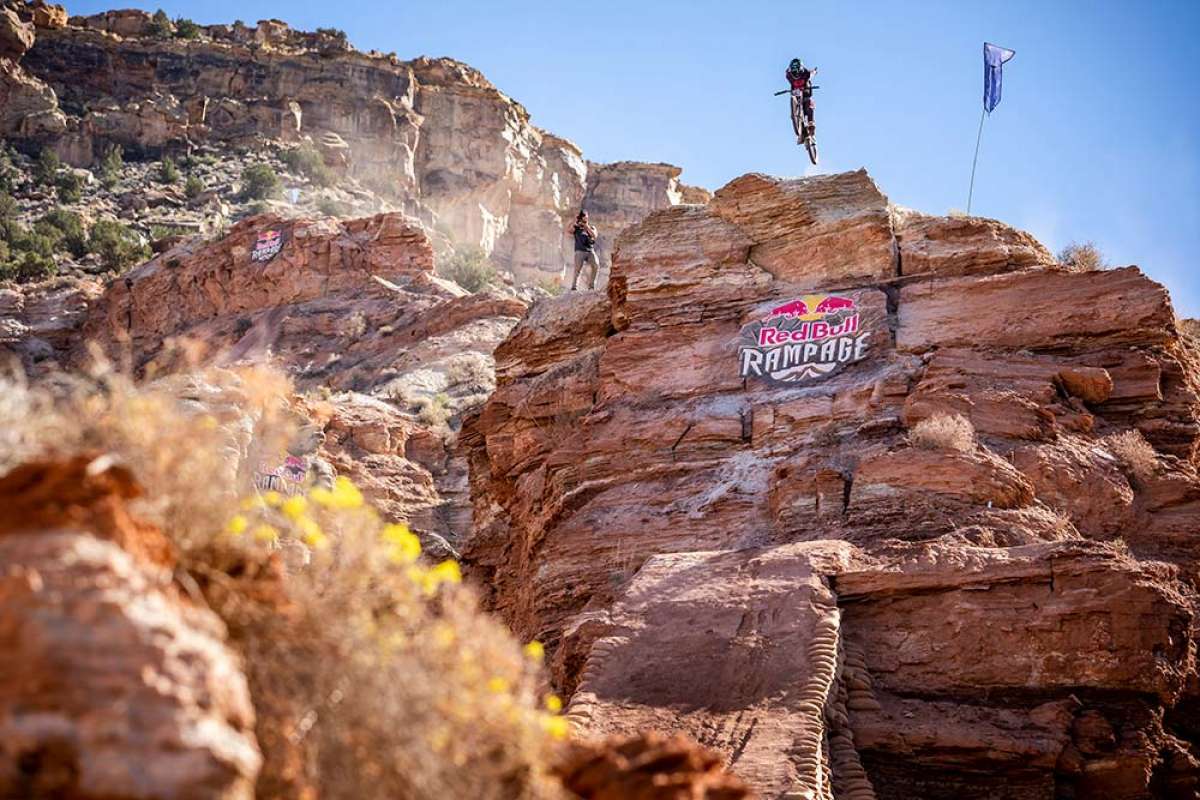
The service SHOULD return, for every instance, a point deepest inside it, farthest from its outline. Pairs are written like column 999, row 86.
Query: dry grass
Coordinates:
column 944, row 432
column 374, row 673
column 190, row 456
column 1137, row 456
column 471, row 370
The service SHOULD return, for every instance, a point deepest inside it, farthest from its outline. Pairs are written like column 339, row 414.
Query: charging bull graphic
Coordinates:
column 804, row 339
column 267, row 246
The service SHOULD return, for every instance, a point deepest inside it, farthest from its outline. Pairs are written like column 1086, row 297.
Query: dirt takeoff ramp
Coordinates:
column 744, row 660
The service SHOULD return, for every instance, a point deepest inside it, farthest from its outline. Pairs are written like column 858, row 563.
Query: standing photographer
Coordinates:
column 585, row 249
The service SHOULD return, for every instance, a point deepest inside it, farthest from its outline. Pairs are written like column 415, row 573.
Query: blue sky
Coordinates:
column 1098, row 135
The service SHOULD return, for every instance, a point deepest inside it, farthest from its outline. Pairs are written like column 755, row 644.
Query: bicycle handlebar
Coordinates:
column 789, row 91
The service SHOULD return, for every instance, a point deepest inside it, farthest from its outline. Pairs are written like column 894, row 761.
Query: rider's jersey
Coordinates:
column 798, row 80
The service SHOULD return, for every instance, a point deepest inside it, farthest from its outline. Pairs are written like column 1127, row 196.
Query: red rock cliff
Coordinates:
column 846, row 607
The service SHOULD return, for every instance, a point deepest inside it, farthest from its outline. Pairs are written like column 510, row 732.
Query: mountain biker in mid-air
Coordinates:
column 800, row 79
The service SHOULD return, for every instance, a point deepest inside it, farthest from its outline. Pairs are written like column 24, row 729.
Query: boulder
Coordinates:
column 117, row 684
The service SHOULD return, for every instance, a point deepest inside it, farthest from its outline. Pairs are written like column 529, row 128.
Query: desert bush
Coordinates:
column 473, row 370
column 469, row 268
column 552, row 286
column 1189, row 328
column 160, row 25
column 330, row 207
column 27, row 266
column 943, row 432
column 67, row 227
column 70, row 187
column 168, row 173
column 45, row 171
column 260, row 182
column 434, row 411
column 8, row 210
column 308, row 161
column 111, row 166
column 192, row 187
column 333, row 33
column 1137, row 456
column 1082, row 257
column 8, row 171
column 373, row 672
column 119, row 246
column 187, row 29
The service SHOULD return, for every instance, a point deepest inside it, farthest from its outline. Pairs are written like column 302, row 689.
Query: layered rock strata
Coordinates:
column 811, row 576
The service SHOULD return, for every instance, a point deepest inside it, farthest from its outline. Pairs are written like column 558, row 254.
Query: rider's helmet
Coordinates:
column 796, row 67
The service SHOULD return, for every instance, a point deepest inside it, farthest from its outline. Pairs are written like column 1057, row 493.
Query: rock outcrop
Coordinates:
column 115, row 682
column 802, row 572
column 385, row 355
column 430, row 136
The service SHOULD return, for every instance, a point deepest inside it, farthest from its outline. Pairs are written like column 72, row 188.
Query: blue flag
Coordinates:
column 993, row 73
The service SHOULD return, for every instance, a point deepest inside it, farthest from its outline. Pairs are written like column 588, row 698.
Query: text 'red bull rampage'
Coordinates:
column 806, row 338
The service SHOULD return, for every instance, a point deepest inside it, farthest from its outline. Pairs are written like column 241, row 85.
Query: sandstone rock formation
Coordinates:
column 385, row 354
column 350, row 308
column 430, row 136
column 116, row 684
column 797, row 576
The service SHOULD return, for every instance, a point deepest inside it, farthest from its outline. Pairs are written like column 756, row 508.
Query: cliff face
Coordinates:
column 431, row 136
column 825, row 575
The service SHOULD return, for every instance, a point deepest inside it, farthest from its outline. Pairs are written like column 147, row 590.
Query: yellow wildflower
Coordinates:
column 497, row 685
column 237, row 525
column 311, row 533
column 345, row 494
column 553, row 703
column 557, row 727
column 403, row 545
column 252, row 503
column 265, row 533
column 535, row 651
column 272, row 498
column 321, row 496
column 447, row 572
column 294, row 507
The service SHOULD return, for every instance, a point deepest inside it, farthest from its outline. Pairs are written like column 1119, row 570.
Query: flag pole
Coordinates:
column 974, row 161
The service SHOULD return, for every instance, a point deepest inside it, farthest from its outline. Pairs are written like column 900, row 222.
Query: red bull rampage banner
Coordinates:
column 802, row 340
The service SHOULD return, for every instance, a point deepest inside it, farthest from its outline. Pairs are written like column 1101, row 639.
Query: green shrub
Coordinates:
column 68, row 226
column 308, row 161
column 192, row 187
column 26, row 240
column 70, row 187
column 259, row 182
column 187, row 29
column 160, row 25
column 111, row 166
column 46, row 169
column 118, row 246
column 469, row 268
column 8, row 207
column 8, row 172
column 27, row 267
column 330, row 207
column 168, row 173
column 552, row 286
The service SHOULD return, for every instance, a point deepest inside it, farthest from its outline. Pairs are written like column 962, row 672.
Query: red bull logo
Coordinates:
column 267, row 246
column 808, row 337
